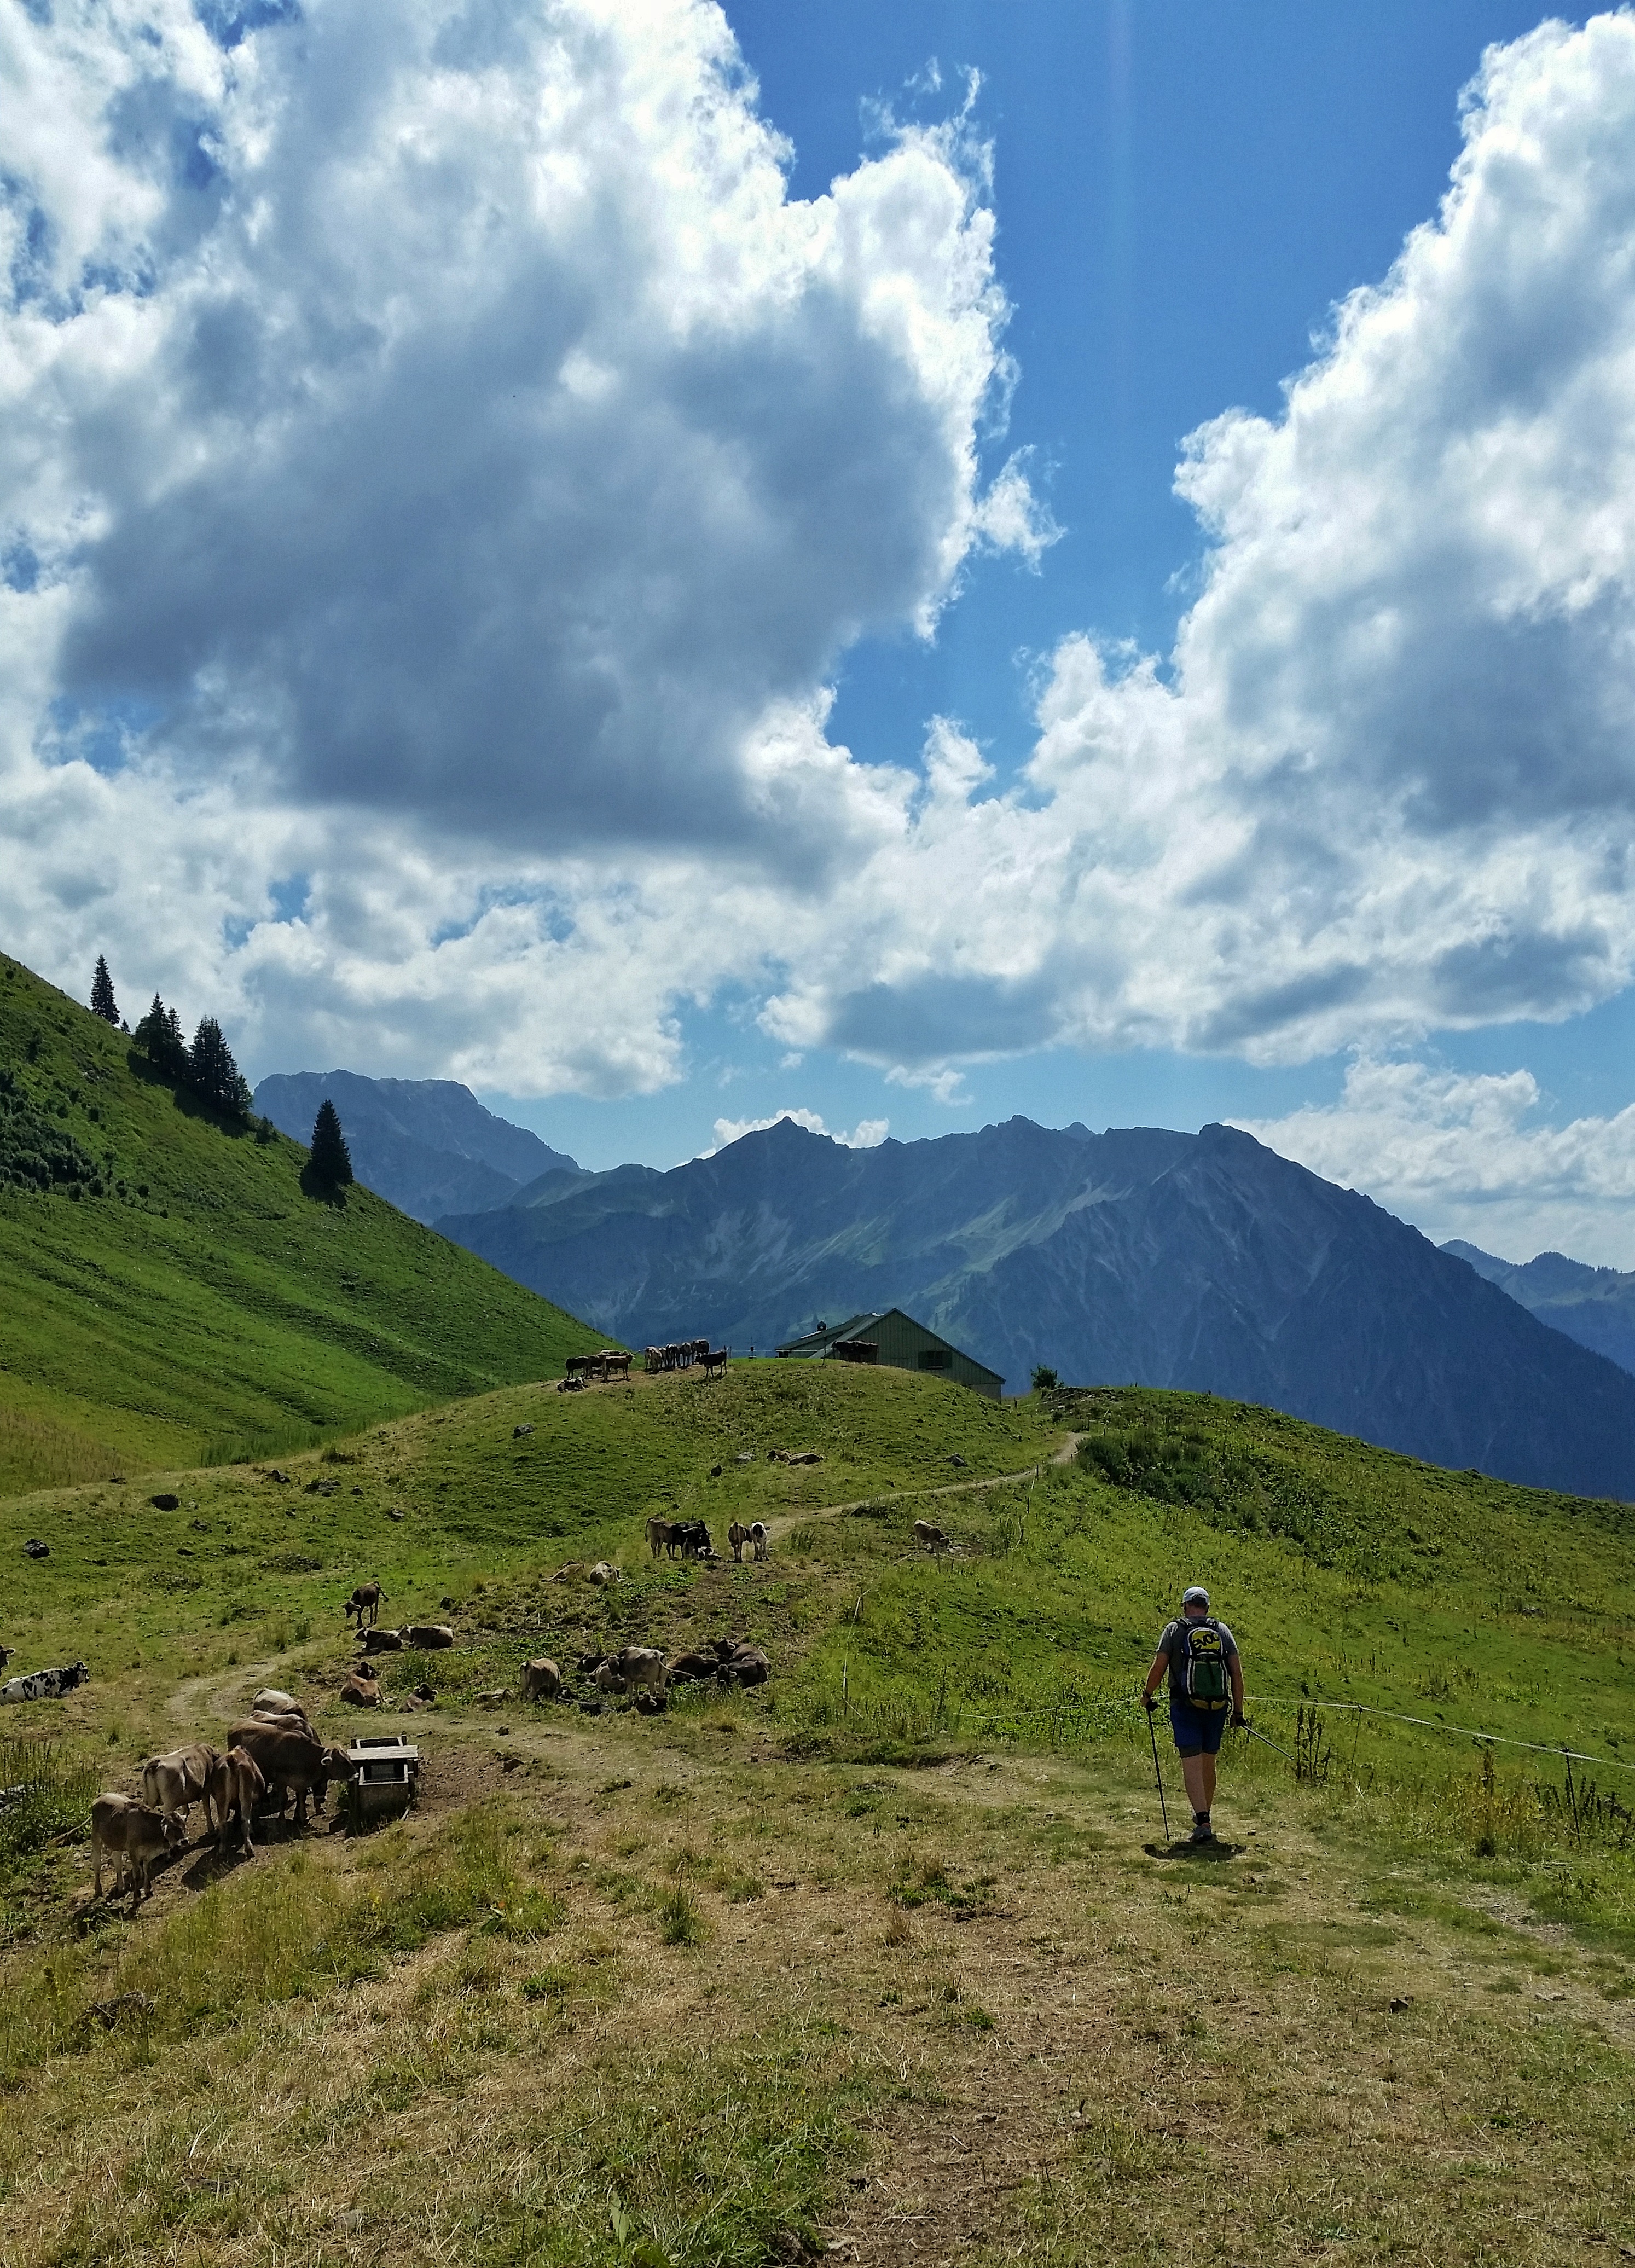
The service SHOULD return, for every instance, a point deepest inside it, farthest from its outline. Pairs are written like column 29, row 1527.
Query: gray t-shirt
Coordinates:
column 1169, row 1644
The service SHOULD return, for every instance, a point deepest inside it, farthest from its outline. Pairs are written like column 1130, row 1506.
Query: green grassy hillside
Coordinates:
column 1396, row 1998
column 178, row 1295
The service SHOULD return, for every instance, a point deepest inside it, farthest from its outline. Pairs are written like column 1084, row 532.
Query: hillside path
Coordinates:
column 1061, row 1457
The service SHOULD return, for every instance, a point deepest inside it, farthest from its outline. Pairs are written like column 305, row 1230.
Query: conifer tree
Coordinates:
column 332, row 1160
column 213, row 1074
column 102, row 1003
column 158, row 1035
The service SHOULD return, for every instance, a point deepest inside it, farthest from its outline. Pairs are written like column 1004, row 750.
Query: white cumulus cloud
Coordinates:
column 1473, row 1155
column 868, row 1134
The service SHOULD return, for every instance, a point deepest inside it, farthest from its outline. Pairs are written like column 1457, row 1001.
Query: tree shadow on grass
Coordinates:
column 321, row 1191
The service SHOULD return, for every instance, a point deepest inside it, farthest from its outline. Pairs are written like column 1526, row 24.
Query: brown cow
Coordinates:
column 134, row 1836
column 541, row 1680
column 715, row 1362
column 615, row 1363
column 738, row 1536
column 360, row 1689
column 365, row 1599
column 428, row 1637
column 281, row 1705
column 174, row 1783
column 293, row 1763
column 642, row 1667
column 699, row 1667
column 661, row 1533
column 931, row 1539
column 236, row 1785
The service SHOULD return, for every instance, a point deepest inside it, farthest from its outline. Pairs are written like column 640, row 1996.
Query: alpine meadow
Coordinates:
column 817, row 1144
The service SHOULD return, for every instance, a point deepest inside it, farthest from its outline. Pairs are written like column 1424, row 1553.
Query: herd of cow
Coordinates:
column 690, row 1539
column 273, row 1754
column 646, row 1673
column 685, row 1353
column 612, row 1362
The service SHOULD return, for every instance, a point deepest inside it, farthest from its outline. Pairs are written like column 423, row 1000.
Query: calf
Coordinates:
column 293, row 1763
column 174, row 1783
column 45, row 1684
column 931, row 1539
column 541, row 1680
column 643, row 1669
column 236, row 1785
column 365, row 1599
column 134, row 1836
column 738, row 1536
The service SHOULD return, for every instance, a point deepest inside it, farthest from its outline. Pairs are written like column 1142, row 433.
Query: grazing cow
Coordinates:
column 236, row 1785
column 292, row 1764
column 134, row 1836
column 428, row 1637
column 930, row 1539
column 45, row 1684
column 662, row 1536
column 715, row 1362
column 541, row 1680
column 382, row 1641
column 760, row 1536
column 365, row 1599
column 174, row 1783
column 359, row 1689
column 738, row 1536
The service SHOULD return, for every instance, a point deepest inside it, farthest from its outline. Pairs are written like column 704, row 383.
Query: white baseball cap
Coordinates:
column 1195, row 1595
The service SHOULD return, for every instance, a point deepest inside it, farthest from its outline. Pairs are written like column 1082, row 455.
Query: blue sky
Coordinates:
column 903, row 565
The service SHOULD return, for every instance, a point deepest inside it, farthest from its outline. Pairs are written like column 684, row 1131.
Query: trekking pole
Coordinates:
column 1163, row 1808
column 1264, row 1743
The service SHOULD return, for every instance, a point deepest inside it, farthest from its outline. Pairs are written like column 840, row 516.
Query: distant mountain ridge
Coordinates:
column 427, row 1145
column 1138, row 1255
column 1594, row 1306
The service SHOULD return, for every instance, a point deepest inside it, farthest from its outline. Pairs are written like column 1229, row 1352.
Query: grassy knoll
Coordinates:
column 188, row 1296
column 887, row 1956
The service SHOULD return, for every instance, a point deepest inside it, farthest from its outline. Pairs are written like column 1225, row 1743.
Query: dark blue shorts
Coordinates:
column 1198, row 1731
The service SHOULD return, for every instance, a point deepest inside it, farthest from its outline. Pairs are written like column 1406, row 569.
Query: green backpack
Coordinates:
column 1198, row 1669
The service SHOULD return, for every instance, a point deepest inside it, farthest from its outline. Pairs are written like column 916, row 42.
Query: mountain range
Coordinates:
column 427, row 1145
column 1134, row 1256
column 1594, row 1306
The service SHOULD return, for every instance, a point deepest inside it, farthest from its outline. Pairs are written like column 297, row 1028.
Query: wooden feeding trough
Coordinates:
column 385, row 1770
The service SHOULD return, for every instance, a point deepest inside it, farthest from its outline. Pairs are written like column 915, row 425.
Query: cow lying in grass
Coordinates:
column 45, row 1684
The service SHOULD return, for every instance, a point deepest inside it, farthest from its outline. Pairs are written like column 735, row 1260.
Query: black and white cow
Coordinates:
column 45, row 1684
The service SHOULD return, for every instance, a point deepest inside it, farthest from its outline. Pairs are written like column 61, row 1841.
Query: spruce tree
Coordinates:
column 158, row 1035
column 212, row 1073
column 332, row 1160
column 102, row 1003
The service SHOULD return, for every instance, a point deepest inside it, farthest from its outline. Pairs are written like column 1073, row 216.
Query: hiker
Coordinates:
column 1201, row 1657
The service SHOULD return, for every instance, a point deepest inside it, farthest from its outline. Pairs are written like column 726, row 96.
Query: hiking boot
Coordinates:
column 1201, row 1833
